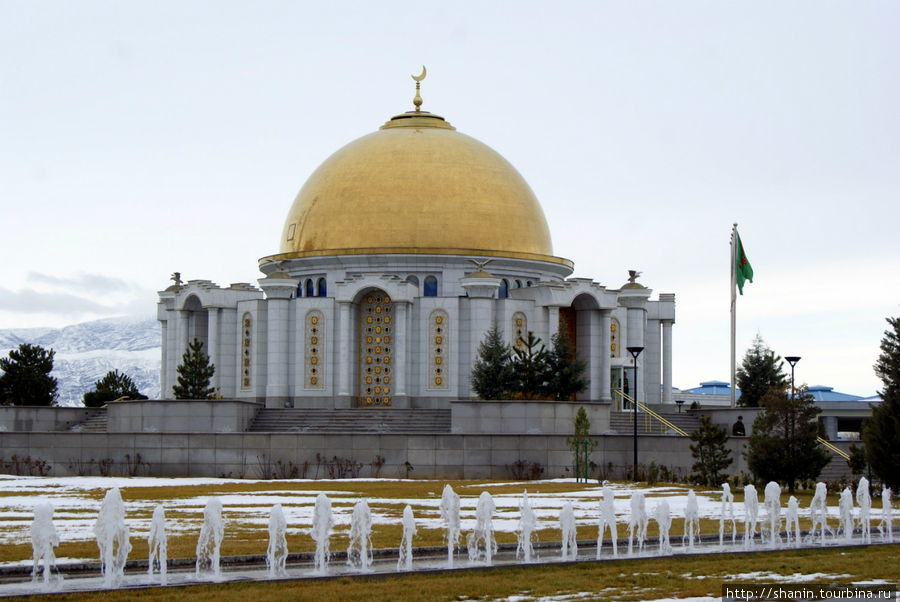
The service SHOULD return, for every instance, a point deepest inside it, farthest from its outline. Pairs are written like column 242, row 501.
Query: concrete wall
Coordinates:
column 170, row 416
column 33, row 418
column 528, row 417
column 250, row 454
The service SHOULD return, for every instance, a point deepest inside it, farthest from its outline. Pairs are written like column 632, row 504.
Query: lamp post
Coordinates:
column 635, row 352
column 792, row 360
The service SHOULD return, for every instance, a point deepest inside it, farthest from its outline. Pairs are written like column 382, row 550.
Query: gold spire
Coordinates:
column 418, row 79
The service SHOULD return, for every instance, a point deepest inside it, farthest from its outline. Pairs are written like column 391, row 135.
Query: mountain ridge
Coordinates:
column 88, row 350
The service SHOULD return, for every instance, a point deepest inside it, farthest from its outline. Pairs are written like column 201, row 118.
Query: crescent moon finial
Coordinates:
column 417, row 100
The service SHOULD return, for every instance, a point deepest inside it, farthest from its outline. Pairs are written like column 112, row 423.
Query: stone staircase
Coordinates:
column 95, row 423
column 361, row 420
column 622, row 423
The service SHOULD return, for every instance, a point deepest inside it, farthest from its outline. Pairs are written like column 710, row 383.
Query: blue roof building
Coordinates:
column 714, row 387
column 822, row 393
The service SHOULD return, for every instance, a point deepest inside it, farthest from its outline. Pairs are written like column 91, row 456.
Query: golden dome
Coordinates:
column 416, row 186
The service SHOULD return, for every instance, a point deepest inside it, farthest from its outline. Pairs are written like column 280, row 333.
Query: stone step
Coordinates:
column 622, row 422
column 386, row 420
column 96, row 423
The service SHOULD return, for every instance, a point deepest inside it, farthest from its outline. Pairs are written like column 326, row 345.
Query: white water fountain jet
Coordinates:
column 320, row 532
column 450, row 518
column 209, row 543
column 112, row 538
column 607, row 519
column 818, row 513
column 567, row 532
column 156, row 544
column 864, row 501
column 637, row 520
column 481, row 543
column 526, row 530
column 846, row 513
column 886, row 526
column 727, row 514
column 772, row 501
column 792, row 524
column 751, row 514
column 359, row 548
column 691, row 519
column 404, row 563
column 43, row 539
column 664, row 521
column 277, row 551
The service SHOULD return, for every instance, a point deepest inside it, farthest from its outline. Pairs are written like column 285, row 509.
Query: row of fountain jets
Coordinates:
column 111, row 530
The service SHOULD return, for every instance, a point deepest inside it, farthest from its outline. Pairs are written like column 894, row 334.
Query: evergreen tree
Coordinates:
column 581, row 444
column 531, row 370
column 760, row 371
column 26, row 379
column 114, row 385
column 710, row 452
column 881, row 433
column 492, row 373
column 566, row 371
column 194, row 374
column 783, row 445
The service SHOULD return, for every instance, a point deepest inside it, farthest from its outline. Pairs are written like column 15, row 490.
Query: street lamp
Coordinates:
column 635, row 352
column 792, row 360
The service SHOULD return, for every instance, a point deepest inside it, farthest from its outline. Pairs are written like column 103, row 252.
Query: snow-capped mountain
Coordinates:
column 87, row 351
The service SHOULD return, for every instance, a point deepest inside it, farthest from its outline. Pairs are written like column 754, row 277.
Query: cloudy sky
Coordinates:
column 141, row 138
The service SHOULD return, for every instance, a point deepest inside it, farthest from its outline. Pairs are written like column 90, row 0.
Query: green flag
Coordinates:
column 742, row 269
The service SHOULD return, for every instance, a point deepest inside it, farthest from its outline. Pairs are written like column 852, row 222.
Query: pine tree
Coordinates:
column 114, row 385
column 760, row 371
column 26, row 379
column 194, row 374
column 492, row 373
column 566, row 371
column 531, row 370
column 881, row 433
column 581, row 444
column 710, row 452
column 783, row 445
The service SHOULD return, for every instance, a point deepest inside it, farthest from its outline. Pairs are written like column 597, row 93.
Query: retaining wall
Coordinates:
column 248, row 455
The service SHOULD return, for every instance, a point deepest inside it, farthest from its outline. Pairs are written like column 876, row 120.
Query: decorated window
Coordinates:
column 321, row 288
column 309, row 287
column 519, row 329
column 314, row 375
column 438, row 350
column 615, row 334
column 246, row 341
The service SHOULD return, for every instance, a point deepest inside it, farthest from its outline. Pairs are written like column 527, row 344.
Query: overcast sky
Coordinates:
column 141, row 138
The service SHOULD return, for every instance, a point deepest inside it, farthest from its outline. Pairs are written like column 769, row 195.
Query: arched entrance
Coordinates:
column 376, row 349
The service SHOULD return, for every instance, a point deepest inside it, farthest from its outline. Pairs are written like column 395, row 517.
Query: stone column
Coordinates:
column 604, row 356
column 212, row 340
column 481, row 288
column 633, row 296
column 279, row 290
column 401, row 314
column 667, row 361
column 164, row 361
column 344, row 363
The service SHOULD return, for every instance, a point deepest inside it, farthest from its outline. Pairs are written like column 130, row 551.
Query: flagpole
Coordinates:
column 733, row 286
